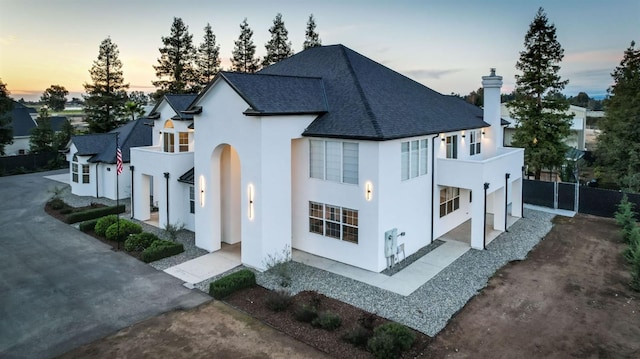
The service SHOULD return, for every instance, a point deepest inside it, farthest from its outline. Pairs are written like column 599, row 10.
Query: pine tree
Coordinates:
column 55, row 97
column 539, row 106
column 41, row 139
column 6, row 105
column 107, row 93
column 61, row 138
column 208, row 57
column 279, row 46
column 619, row 142
column 176, row 66
column 311, row 36
column 244, row 52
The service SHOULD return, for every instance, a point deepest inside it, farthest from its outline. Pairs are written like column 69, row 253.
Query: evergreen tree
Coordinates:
column 311, row 36
column 619, row 142
column 279, row 46
column 55, row 97
column 6, row 105
column 62, row 137
column 176, row 70
column 41, row 139
column 139, row 97
column 208, row 58
column 244, row 52
column 107, row 93
column 542, row 113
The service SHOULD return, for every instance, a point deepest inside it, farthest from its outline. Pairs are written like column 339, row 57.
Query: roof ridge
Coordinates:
column 276, row 75
column 365, row 100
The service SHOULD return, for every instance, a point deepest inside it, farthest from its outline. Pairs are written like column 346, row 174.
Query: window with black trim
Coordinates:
column 474, row 143
column 333, row 221
column 449, row 200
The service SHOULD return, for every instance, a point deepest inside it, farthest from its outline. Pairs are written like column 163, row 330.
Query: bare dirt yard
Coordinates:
column 568, row 299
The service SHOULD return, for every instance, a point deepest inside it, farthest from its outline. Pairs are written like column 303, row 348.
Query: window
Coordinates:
column 452, row 146
column 85, row 173
column 474, row 143
column 192, row 200
column 169, row 140
column 183, row 138
column 333, row 221
column 449, row 200
column 413, row 158
column 74, row 172
column 334, row 161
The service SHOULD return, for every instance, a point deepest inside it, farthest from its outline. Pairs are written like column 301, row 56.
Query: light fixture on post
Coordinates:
column 368, row 191
column 202, row 185
column 250, row 195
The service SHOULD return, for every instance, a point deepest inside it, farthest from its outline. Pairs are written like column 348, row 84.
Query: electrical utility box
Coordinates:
column 390, row 242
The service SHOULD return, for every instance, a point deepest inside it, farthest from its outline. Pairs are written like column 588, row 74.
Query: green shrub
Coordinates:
column 358, row 336
column 161, row 249
column 139, row 242
column 625, row 217
column 89, row 225
column 226, row 285
column 56, row 203
column 103, row 223
column 94, row 213
column 327, row 321
column 66, row 210
column 389, row 340
column 305, row 313
column 632, row 252
column 278, row 300
column 121, row 230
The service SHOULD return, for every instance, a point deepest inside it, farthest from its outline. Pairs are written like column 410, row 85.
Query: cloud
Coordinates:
column 430, row 74
column 592, row 73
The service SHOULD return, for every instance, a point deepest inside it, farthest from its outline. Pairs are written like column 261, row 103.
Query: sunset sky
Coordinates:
column 446, row 45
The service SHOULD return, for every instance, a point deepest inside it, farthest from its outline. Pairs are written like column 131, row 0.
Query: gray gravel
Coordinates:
column 430, row 307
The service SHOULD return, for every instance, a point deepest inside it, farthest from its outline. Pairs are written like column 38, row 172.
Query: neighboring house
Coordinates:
column 23, row 121
column 328, row 152
column 92, row 160
column 576, row 138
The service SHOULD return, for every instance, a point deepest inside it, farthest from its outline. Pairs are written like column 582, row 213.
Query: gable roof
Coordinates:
column 366, row 100
column 21, row 121
column 179, row 103
column 102, row 146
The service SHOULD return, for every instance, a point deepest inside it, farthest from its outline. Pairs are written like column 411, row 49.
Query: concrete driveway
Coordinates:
column 60, row 288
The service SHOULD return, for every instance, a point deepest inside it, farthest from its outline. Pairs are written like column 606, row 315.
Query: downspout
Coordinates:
column 484, row 224
column 97, row 164
column 433, row 181
column 131, row 168
column 506, row 201
column 166, row 176
column 522, row 193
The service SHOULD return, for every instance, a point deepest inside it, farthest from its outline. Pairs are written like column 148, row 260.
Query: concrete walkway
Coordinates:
column 208, row 265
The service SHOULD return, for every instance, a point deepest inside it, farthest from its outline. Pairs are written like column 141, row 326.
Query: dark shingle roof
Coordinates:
column 102, row 146
column 179, row 103
column 21, row 121
column 367, row 100
column 276, row 94
column 57, row 122
column 187, row 177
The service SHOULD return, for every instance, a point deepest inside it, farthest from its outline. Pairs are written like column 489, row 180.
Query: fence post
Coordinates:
column 555, row 195
column 576, row 206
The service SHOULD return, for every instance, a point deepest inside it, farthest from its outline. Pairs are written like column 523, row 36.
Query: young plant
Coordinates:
column 279, row 265
column 173, row 229
column 625, row 217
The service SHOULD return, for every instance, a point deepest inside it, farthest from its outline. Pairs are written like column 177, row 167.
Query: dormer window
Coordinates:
column 168, row 137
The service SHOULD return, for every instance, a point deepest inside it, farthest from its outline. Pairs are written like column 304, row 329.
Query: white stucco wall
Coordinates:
column 19, row 143
column 102, row 178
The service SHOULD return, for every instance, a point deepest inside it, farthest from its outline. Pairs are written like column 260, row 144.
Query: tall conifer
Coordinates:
column 279, row 46
column 244, row 52
column 176, row 70
column 311, row 36
column 208, row 57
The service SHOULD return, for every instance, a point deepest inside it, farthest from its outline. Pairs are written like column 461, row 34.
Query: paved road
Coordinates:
column 60, row 288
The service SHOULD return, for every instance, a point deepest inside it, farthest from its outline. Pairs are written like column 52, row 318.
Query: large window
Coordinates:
column 449, row 200
column 183, row 141
column 452, row 146
column 192, row 200
column 413, row 158
column 334, row 161
column 169, row 142
column 85, row 173
column 474, row 143
column 74, row 169
column 333, row 221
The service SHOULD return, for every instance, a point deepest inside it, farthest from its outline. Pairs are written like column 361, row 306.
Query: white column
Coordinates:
column 477, row 218
column 516, row 198
column 499, row 209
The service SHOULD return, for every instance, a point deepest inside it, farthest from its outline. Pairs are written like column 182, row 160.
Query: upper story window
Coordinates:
column 183, row 138
column 334, row 161
column 452, row 146
column 168, row 137
column 474, row 143
column 413, row 158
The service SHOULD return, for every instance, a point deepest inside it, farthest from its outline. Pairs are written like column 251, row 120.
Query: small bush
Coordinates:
column 94, row 213
column 56, row 204
column 66, row 210
column 305, row 313
column 327, row 321
column 161, row 249
column 139, row 242
column 278, row 300
column 280, row 266
column 226, row 285
column 103, row 223
column 389, row 340
column 89, row 225
column 358, row 336
column 632, row 252
column 121, row 230
column 367, row 320
column 625, row 217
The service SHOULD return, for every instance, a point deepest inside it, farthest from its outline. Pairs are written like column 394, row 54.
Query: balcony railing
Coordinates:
column 469, row 173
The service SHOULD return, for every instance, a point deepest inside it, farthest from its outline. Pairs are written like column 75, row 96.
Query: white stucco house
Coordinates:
column 23, row 120
column 327, row 152
column 92, row 160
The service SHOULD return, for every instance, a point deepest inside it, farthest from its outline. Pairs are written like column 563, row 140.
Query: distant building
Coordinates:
column 23, row 121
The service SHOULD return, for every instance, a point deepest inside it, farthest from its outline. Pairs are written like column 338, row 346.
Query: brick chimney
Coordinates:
column 491, row 86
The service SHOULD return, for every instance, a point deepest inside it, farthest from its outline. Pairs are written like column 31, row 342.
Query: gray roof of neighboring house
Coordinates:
column 21, row 121
column 102, row 146
column 187, row 177
column 179, row 103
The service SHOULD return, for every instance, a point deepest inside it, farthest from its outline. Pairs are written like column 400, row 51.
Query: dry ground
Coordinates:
column 568, row 299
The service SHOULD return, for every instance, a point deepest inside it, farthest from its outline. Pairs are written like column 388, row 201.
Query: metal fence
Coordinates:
column 29, row 162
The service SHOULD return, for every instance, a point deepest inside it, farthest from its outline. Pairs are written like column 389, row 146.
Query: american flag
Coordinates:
column 118, row 161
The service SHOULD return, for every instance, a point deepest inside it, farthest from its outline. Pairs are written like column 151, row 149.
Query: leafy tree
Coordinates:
column 311, row 36
column 581, row 99
column 476, row 97
column 6, row 105
column 208, row 57
column 244, row 51
column 619, row 142
column 279, row 46
column 41, row 139
column 538, row 105
column 176, row 66
column 132, row 108
column 55, row 97
column 139, row 97
column 107, row 93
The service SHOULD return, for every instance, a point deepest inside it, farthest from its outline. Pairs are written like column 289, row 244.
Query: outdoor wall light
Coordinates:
column 442, row 137
column 202, row 186
column 483, row 131
column 463, row 134
column 250, row 196
column 368, row 191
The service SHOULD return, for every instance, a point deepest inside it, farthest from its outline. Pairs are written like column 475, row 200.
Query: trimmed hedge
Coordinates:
column 87, row 226
column 125, row 229
column 104, row 223
column 139, row 242
column 226, row 285
column 161, row 249
column 94, row 213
